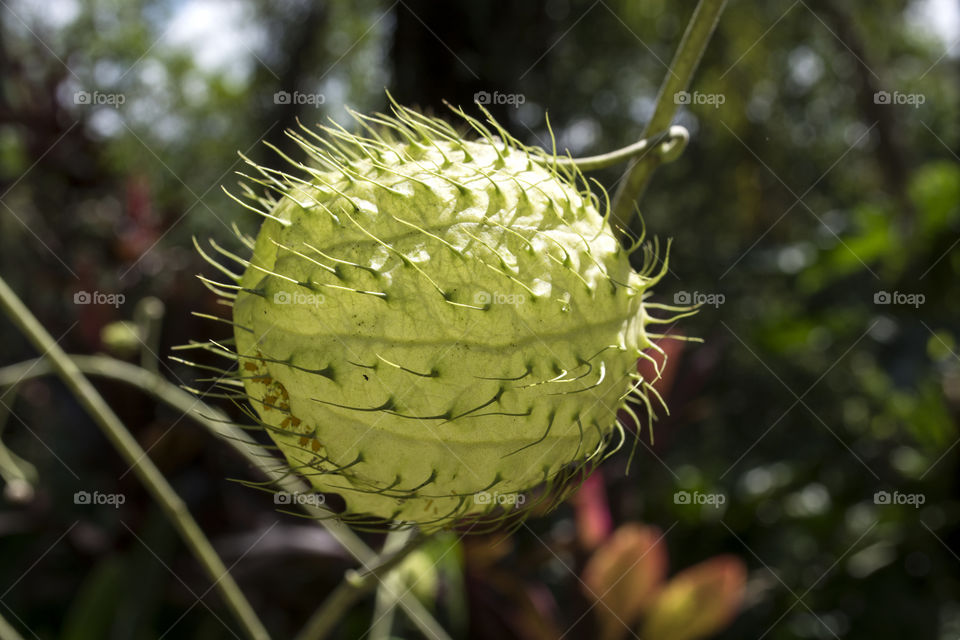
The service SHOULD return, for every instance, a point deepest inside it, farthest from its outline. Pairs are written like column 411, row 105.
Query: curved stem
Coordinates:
column 667, row 141
column 385, row 601
column 684, row 64
column 19, row 475
column 354, row 586
column 218, row 423
column 137, row 458
column 166, row 392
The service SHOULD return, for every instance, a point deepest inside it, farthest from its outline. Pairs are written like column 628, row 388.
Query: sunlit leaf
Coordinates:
column 623, row 577
column 698, row 601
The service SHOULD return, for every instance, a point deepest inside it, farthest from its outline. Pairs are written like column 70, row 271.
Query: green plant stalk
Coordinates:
column 664, row 139
column 357, row 584
column 134, row 454
column 385, row 601
column 218, row 423
column 19, row 474
column 682, row 67
column 148, row 315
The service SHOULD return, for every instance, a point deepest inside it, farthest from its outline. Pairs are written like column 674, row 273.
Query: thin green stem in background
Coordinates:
column 134, row 454
column 682, row 67
column 355, row 585
column 19, row 475
column 148, row 316
column 385, row 600
column 262, row 461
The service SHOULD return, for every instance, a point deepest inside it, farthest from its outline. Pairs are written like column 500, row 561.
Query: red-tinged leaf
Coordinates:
column 624, row 576
column 698, row 602
column 594, row 522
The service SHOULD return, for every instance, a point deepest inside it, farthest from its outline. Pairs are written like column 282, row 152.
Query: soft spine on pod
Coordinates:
column 432, row 327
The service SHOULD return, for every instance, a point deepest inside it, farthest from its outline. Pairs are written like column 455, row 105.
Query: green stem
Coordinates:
column 134, row 454
column 19, row 475
column 354, row 586
column 684, row 64
column 148, row 316
column 385, row 600
column 218, row 423
column 667, row 140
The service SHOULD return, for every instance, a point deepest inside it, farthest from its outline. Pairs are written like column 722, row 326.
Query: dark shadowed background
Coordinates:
column 815, row 212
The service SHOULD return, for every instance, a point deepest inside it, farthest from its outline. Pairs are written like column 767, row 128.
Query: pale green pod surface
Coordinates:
column 431, row 327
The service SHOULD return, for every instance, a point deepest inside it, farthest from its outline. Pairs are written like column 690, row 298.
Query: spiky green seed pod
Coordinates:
column 430, row 327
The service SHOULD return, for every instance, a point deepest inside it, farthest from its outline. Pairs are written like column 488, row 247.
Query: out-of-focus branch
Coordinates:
column 137, row 458
column 219, row 424
column 357, row 584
